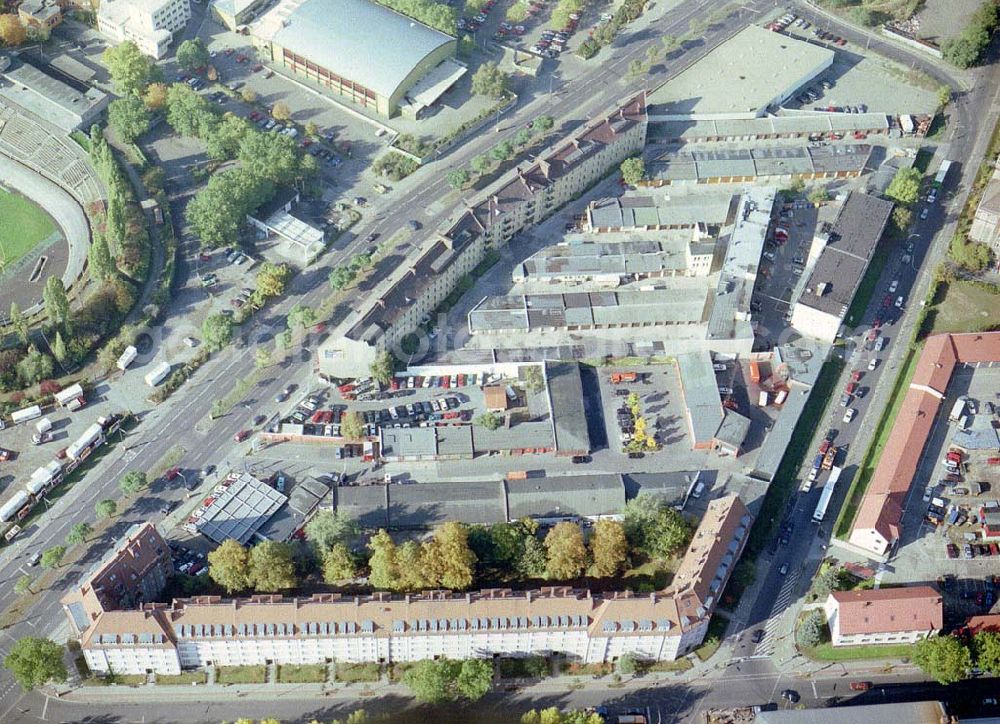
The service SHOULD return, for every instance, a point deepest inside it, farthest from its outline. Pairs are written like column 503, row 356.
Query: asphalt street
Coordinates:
column 175, row 423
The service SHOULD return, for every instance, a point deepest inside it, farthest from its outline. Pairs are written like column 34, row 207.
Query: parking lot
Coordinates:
column 928, row 550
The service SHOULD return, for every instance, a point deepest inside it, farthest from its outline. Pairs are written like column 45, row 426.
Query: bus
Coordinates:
column 826, row 495
column 942, row 172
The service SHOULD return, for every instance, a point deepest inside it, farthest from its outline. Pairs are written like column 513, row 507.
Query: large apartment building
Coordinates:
column 132, row 573
column 150, row 24
column 525, row 196
column 210, row 631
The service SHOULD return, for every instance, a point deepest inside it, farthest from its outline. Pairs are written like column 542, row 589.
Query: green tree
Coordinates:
column 382, row 368
column 53, row 556
column 902, row 217
column 971, row 255
column 58, row 347
column 481, row 164
column 262, row 357
column 818, row 194
column 810, row 631
column 129, row 118
column 444, row 680
column 79, row 533
column 99, row 262
column 654, row 528
column 23, row 585
column 189, row 113
column 217, row 331
column 248, row 95
column 360, row 262
column 905, row 186
column 450, row 561
column 412, row 568
column 272, row 279
column 352, row 427
column 192, row 54
column 35, row 366
column 105, row 508
column 522, row 137
column 633, row 170
column 943, row 97
column 489, row 81
column 229, row 566
column 987, row 648
column 457, row 178
column 36, row 661
column 963, row 51
column 132, row 482
column 224, row 139
column 328, row 528
column 338, row 564
column 341, row 277
column 490, row 420
column 300, row 317
column 608, row 547
column 382, row 563
column 502, row 151
column 18, row 322
column 944, row 658
column 542, row 124
column 567, row 555
column 272, row 566
column 270, row 156
column 627, row 664
column 130, row 69
column 56, row 301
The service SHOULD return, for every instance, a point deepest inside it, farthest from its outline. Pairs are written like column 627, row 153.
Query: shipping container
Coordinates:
column 127, row 358
column 157, row 374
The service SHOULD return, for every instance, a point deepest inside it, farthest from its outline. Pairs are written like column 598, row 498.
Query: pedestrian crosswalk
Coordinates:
column 772, row 629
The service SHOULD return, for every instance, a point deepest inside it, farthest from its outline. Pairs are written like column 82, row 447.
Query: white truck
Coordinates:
column 763, row 399
column 957, row 410
column 159, row 373
column 127, row 358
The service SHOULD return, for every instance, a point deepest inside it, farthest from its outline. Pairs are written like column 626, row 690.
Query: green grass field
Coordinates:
column 22, row 225
column 967, row 307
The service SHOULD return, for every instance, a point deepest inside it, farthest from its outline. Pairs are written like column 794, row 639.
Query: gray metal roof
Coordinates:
column 360, row 40
column 239, row 512
column 582, row 495
column 426, row 505
column 367, row 504
column 408, row 442
column 569, row 416
column 916, row 712
column 701, row 394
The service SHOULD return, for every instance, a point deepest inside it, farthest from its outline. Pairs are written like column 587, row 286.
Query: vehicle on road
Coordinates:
column 207, row 470
column 758, row 636
column 241, row 435
column 791, row 696
column 861, row 685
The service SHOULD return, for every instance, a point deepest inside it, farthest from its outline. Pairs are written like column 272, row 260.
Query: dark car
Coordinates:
column 791, row 696
column 207, row 470
column 581, row 459
column 758, row 636
column 371, row 237
column 636, row 455
column 259, row 419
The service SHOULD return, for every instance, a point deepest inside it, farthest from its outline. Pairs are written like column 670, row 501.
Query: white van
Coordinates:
column 699, row 488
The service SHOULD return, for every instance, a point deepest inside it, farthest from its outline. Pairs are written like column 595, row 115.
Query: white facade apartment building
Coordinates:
column 209, row 630
column 150, row 24
column 884, row 616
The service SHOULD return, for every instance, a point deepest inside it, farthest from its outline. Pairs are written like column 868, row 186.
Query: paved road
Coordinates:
column 972, row 117
column 174, row 423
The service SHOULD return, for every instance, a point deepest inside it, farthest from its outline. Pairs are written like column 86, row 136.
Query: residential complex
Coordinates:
column 150, row 24
column 395, row 64
column 588, row 627
column 525, row 196
column 884, row 616
column 878, row 525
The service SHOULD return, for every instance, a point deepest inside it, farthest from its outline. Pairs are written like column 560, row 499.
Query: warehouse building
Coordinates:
column 165, row 638
column 235, row 13
column 774, row 165
column 711, row 425
column 839, row 258
column 785, row 125
column 646, row 210
column 359, row 50
column 61, row 101
column 741, row 78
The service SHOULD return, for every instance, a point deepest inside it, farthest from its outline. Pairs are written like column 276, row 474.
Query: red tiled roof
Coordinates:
column 989, row 622
column 881, row 509
column 889, row 610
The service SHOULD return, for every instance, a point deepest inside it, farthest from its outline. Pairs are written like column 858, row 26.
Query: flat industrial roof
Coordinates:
column 659, row 210
column 780, row 125
column 741, row 75
column 740, row 161
column 841, row 265
column 564, row 387
column 701, row 394
column 360, row 40
column 565, row 496
column 48, row 97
